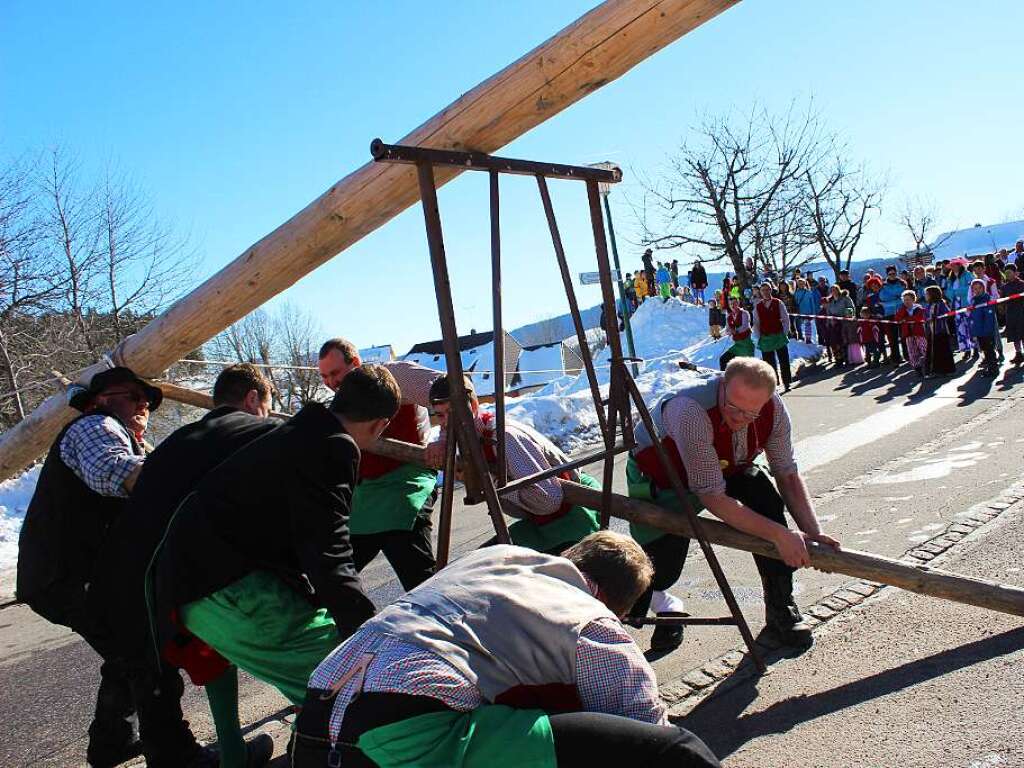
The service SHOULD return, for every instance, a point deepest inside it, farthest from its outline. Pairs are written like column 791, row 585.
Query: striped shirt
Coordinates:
column 688, row 424
column 612, row 675
column 98, row 449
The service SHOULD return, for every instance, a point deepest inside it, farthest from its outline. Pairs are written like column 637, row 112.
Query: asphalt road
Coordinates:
column 887, row 459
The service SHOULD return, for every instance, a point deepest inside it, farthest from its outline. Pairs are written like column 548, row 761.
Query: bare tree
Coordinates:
column 918, row 217
column 716, row 190
column 299, row 337
column 841, row 199
column 783, row 236
column 69, row 219
column 144, row 264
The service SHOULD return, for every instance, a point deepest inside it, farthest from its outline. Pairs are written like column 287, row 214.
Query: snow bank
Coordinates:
column 663, row 334
column 15, row 495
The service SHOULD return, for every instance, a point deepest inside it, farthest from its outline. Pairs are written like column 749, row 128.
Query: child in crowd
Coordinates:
column 983, row 327
column 940, row 331
column 911, row 317
column 716, row 319
column 854, row 351
column 869, row 334
column 1014, row 286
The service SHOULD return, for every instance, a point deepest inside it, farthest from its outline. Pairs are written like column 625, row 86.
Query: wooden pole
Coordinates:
column 862, row 565
column 597, row 48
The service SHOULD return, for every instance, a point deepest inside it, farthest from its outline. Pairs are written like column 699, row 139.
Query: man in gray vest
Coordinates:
column 507, row 657
column 713, row 430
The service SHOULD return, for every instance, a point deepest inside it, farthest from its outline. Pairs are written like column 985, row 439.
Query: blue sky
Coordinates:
column 236, row 115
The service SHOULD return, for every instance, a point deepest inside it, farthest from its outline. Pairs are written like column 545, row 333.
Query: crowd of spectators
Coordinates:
column 903, row 314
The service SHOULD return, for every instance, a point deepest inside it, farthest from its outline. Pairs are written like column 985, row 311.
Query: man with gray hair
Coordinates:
column 507, row 657
column 713, row 430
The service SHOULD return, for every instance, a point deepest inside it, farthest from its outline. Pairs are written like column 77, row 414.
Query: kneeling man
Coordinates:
column 713, row 430
column 507, row 657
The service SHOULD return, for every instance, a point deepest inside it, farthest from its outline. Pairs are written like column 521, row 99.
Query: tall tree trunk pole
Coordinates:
column 592, row 51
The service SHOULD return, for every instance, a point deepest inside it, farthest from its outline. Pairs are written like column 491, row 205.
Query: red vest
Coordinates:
column 757, row 435
column 489, row 443
column 769, row 317
column 405, row 426
column 734, row 321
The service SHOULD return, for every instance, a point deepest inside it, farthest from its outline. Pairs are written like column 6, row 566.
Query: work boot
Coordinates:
column 667, row 637
column 781, row 614
column 259, row 750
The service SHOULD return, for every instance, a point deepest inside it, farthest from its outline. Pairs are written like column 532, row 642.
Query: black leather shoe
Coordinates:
column 667, row 637
column 782, row 617
column 259, row 750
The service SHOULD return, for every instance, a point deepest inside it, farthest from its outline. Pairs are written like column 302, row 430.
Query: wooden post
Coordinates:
column 862, row 565
column 597, row 48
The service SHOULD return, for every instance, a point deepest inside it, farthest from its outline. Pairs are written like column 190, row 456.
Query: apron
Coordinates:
column 641, row 487
column 392, row 501
column 772, row 342
column 578, row 523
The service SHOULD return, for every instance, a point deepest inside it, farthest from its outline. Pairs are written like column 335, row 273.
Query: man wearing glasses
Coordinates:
column 82, row 489
column 713, row 430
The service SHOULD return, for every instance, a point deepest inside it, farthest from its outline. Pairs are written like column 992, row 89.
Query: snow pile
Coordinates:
column 663, row 334
column 15, row 495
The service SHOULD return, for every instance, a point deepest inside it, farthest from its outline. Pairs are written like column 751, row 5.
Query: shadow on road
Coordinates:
column 727, row 704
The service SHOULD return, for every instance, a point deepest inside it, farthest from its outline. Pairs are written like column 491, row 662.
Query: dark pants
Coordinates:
column 779, row 359
column 129, row 688
column 582, row 739
column 872, row 353
column 411, row 553
column 668, row 553
column 988, row 349
column 892, row 333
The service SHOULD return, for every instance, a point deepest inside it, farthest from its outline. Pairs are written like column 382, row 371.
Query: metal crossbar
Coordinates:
column 487, row 483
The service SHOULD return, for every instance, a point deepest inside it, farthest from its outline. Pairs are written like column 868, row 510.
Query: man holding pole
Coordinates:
column 713, row 430
column 393, row 502
column 507, row 657
column 547, row 522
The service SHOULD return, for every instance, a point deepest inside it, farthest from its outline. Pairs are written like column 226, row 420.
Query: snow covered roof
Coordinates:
column 477, row 361
column 977, row 240
column 381, row 354
column 539, row 364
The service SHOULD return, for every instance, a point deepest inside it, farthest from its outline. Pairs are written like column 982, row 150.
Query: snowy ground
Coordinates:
column 664, row 333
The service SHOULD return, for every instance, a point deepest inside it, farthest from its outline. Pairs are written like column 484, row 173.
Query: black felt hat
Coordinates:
column 80, row 398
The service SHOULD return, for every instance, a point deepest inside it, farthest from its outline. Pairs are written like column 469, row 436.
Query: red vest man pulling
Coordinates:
column 714, row 430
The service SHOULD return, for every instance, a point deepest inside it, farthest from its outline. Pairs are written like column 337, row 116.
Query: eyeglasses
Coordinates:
column 739, row 411
column 131, row 396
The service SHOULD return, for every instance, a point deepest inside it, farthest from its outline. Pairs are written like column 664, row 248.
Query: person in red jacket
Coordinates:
column 869, row 334
column 393, row 502
column 911, row 317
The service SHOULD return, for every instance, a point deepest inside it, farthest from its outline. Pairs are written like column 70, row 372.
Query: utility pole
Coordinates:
column 606, row 190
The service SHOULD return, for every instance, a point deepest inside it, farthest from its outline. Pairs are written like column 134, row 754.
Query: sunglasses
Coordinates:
column 134, row 397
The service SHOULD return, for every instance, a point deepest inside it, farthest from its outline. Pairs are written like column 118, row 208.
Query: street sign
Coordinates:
column 593, row 278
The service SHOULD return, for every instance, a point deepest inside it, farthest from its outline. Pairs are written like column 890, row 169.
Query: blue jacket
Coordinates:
column 663, row 275
column 920, row 286
column 983, row 319
column 959, row 289
column 891, row 296
column 807, row 300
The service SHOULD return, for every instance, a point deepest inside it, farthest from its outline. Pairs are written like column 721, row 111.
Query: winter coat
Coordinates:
column 170, row 473
column 698, row 277
column 838, row 307
column 983, row 318
column 663, row 276
column 921, row 285
column 640, row 285
column 911, row 320
column 960, row 289
column 891, row 296
column 807, row 300
column 280, row 504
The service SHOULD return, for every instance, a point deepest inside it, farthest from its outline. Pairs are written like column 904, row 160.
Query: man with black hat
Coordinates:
column 82, row 489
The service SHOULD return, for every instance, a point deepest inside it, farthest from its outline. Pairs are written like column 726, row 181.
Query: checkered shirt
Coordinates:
column 612, row 675
column 689, row 426
column 414, row 380
column 98, row 449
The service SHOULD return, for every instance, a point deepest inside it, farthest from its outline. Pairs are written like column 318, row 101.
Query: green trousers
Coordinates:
column 262, row 626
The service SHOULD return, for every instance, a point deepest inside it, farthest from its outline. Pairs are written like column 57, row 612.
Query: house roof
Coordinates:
column 465, row 342
column 977, row 240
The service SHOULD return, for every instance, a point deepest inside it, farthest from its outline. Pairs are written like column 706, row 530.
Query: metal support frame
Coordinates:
column 623, row 394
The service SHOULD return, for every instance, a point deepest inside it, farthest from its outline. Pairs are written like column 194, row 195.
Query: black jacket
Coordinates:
column 170, row 473
column 61, row 539
column 280, row 504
